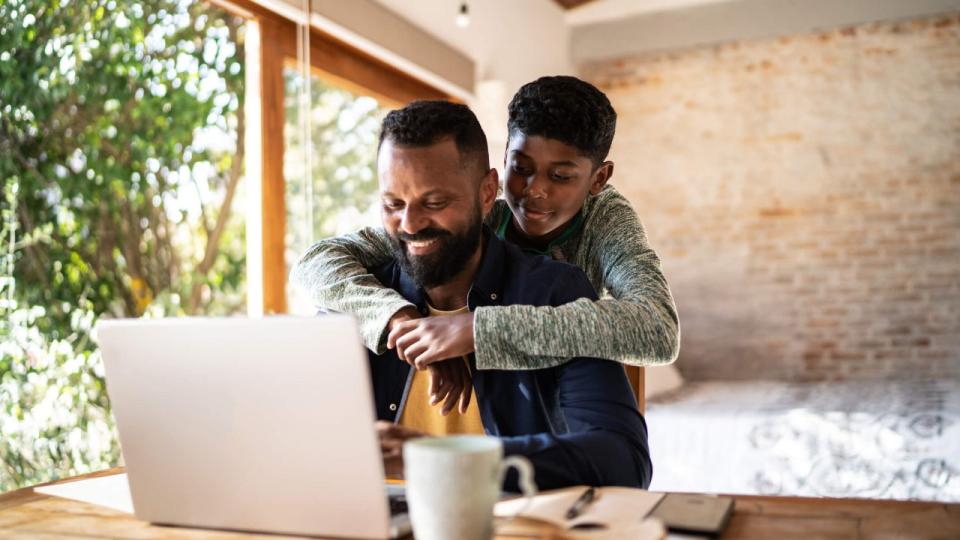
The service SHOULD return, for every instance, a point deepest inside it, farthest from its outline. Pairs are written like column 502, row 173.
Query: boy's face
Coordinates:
column 546, row 183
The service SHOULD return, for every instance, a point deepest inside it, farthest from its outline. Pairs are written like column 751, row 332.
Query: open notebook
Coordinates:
column 616, row 512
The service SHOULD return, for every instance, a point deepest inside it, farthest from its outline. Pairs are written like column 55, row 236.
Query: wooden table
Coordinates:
column 26, row 514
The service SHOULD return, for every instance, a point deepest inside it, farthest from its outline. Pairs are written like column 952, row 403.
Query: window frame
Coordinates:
column 331, row 59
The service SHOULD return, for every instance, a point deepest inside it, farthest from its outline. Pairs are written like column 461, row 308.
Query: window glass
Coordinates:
column 340, row 194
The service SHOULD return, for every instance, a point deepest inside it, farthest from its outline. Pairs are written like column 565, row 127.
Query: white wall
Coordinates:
column 510, row 41
column 709, row 22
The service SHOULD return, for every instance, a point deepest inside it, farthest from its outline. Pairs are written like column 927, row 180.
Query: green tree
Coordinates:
column 111, row 113
column 122, row 136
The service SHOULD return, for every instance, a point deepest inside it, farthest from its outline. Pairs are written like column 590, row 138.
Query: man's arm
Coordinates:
column 334, row 273
column 606, row 444
column 606, row 441
column 639, row 326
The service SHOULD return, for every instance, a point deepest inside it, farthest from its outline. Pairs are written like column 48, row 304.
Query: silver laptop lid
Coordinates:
column 249, row 424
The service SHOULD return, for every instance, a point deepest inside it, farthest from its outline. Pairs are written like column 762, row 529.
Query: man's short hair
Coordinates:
column 566, row 109
column 423, row 123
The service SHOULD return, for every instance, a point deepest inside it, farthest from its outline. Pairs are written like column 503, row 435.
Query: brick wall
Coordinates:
column 804, row 195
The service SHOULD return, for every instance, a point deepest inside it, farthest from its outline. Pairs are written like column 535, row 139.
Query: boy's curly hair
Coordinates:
column 567, row 109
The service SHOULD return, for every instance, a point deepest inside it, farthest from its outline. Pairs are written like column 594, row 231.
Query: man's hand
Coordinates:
column 450, row 383
column 424, row 341
column 392, row 438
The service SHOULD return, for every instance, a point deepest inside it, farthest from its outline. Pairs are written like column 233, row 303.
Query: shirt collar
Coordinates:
column 571, row 229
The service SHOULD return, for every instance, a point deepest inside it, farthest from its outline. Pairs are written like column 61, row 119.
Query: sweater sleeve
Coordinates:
column 637, row 326
column 333, row 272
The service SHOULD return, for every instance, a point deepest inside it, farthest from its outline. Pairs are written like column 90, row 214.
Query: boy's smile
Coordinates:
column 546, row 183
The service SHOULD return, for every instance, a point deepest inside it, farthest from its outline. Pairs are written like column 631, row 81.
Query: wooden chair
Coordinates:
column 635, row 376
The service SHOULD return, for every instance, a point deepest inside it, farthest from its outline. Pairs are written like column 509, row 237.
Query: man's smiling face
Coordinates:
column 431, row 207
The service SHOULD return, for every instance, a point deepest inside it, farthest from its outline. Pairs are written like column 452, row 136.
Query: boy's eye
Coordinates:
column 521, row 170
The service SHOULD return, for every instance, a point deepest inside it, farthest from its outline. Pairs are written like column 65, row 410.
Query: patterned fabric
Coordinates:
column 635, row 323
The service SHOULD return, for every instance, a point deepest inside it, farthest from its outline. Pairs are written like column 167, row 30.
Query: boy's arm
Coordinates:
column 639, row 326
column 334, row 273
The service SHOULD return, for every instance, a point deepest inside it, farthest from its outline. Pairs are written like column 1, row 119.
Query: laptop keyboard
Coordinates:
column 398, row 504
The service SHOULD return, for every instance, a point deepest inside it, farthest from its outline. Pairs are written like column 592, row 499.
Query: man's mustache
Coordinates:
column 423, row 235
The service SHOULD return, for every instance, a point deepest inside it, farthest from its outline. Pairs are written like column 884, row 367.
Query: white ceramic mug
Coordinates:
column 453, row 483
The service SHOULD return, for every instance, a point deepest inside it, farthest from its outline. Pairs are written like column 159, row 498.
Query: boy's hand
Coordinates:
column 424, row 341
column 404, row 315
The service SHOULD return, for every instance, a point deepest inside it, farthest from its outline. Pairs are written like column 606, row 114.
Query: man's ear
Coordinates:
column 489, row 186
column 601, row 176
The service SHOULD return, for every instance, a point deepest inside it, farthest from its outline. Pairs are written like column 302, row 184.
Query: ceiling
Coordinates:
column 599, row 11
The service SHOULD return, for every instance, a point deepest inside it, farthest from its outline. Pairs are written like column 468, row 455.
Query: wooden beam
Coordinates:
column 333, row 60
column 273, row 190
column 636, row 377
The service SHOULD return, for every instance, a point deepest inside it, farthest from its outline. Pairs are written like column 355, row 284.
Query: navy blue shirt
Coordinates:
column 578, row 422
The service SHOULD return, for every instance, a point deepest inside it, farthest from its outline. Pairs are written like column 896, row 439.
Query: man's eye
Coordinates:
column 435, row 205
column 561, row 177
column 392, row 205
column 522, row 171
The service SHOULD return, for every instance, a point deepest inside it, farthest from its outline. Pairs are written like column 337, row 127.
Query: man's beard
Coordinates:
column 446, row 261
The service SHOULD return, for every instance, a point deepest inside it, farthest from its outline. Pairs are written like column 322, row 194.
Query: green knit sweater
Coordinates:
column 635, row 322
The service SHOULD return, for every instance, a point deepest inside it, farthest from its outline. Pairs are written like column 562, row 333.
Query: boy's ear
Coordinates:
column 489, row 187
column 601, row 176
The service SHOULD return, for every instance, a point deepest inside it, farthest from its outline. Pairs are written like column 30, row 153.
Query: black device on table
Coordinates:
column 694, row 513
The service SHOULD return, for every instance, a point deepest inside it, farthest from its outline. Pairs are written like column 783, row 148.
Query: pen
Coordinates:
column 581, row 503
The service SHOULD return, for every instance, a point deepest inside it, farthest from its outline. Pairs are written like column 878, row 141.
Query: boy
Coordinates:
column 557, row 201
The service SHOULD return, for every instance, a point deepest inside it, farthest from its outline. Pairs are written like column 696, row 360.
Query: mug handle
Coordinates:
column 525, row 472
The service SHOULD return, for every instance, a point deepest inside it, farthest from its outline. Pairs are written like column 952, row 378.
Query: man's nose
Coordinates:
column 413, row 220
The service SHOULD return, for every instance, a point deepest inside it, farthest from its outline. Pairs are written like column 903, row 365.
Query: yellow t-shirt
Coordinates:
column 418, row 414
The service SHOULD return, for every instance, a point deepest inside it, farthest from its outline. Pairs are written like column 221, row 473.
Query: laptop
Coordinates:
column 259, row 425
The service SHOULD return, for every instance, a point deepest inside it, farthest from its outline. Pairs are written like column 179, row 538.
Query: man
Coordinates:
column 578, row 421
column 557, row 199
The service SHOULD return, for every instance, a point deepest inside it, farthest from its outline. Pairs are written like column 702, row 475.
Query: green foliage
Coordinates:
column 111, row 112
column 54, row 418
column 121, row 127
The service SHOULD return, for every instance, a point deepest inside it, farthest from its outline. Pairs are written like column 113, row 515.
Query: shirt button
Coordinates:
column 493, row 296
column 393, row 406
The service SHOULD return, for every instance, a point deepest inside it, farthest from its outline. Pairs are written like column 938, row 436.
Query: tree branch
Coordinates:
column 213, row 239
